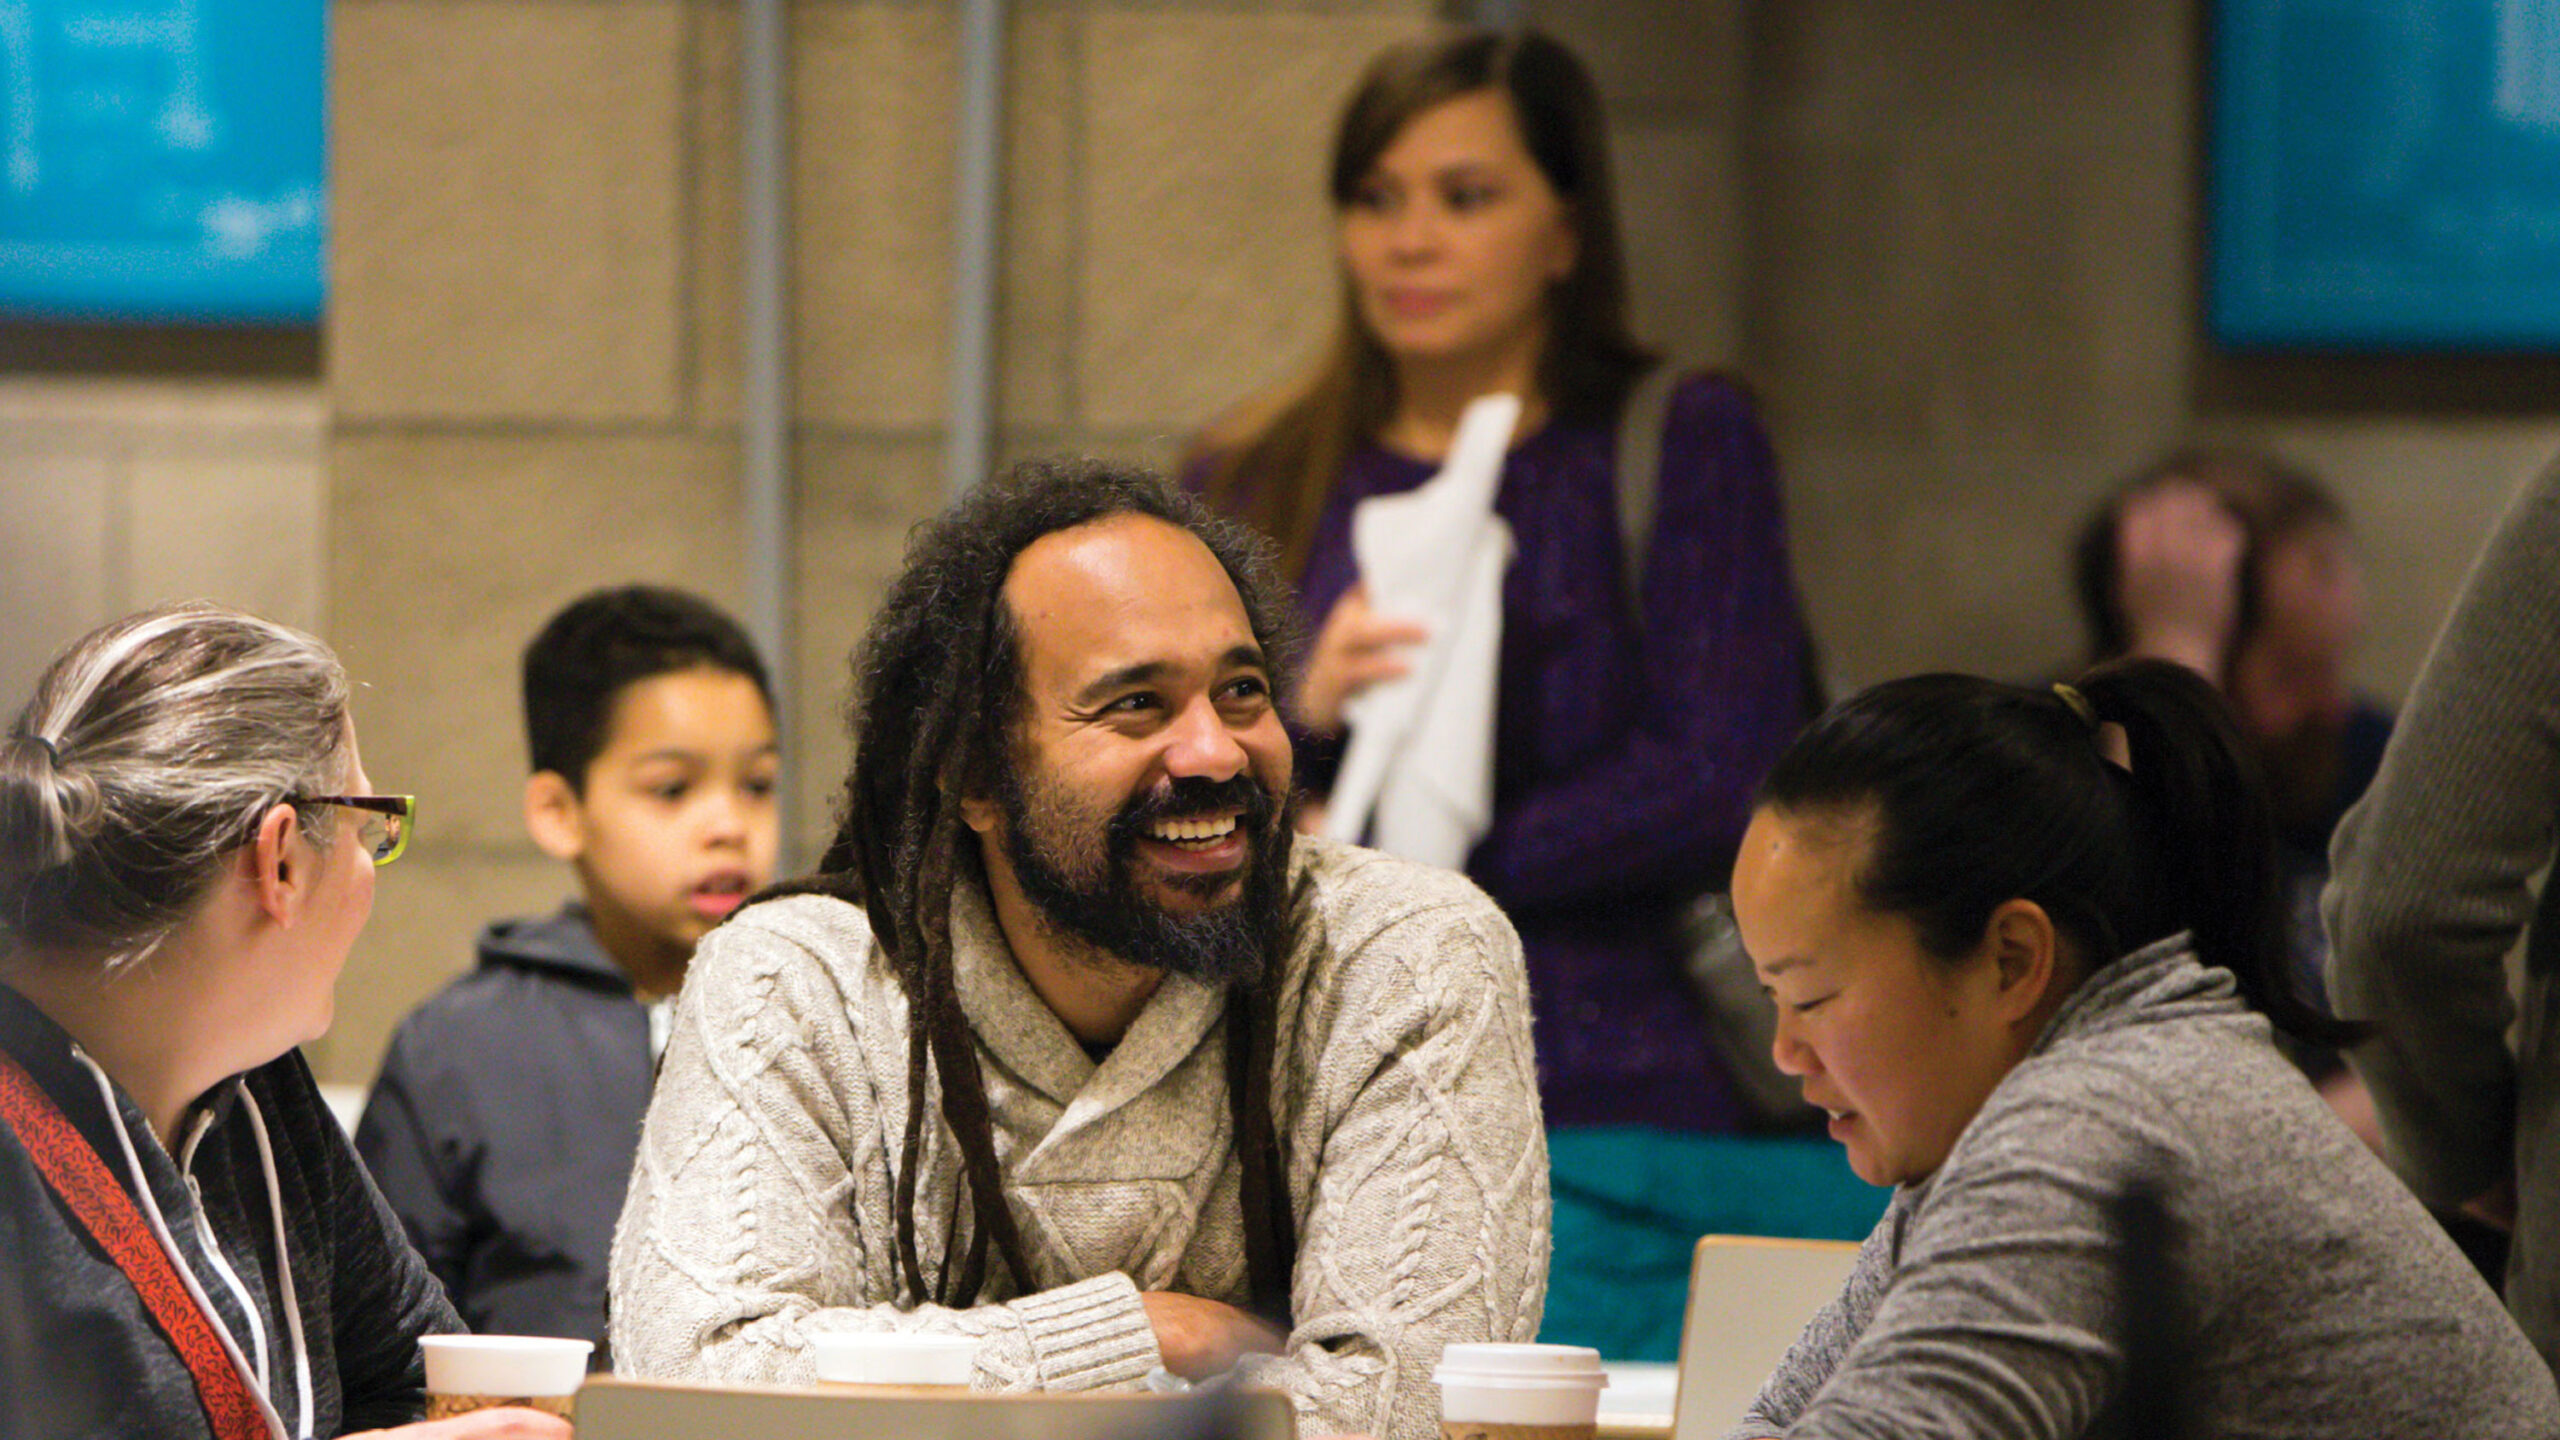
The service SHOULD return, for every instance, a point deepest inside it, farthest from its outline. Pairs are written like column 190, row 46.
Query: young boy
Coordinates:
column 503, row 1125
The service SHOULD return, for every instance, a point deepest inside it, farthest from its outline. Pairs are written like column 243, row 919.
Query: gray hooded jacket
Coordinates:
column 503, row 1125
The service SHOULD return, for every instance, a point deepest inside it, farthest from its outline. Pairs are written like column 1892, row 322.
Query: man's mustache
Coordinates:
column 1191, row 796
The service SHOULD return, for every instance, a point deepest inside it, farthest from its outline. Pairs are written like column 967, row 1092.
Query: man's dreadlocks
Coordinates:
column 938, row 698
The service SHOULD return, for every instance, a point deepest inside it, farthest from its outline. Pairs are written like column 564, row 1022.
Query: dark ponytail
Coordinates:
column 1978, row 793
column 2212, row 860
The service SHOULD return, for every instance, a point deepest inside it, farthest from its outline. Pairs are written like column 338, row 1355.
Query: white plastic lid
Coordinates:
column 894, row 1358
column 509, row 1365
column 1529, row 1366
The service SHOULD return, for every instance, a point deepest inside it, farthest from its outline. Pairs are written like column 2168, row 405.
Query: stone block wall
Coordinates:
column 533, row 368
column 119, row 494
column 1953, row 246
column 1674, row 75
column 1971, row 297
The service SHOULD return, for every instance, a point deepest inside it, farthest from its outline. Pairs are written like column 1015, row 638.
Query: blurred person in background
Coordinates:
column 187, row 852
column 2241, row 567
column 1644, row 682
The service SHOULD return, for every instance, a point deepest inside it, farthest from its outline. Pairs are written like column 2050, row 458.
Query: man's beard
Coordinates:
column 1090, row 892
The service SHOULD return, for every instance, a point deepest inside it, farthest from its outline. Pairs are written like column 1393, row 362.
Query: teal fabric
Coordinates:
column 1631, row 1202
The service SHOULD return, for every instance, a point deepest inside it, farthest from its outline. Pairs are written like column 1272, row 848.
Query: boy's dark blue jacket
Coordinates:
column 504, row 1122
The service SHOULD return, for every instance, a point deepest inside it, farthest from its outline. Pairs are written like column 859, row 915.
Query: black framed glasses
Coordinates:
column 384, row 830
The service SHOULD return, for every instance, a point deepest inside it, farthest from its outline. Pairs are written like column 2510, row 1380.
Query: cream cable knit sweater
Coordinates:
column 1406, row 1102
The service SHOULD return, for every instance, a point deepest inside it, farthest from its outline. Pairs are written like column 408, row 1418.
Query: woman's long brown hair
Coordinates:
column 1275, row 463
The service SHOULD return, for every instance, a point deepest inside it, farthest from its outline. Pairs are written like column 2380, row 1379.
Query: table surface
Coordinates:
column 1638, row 1403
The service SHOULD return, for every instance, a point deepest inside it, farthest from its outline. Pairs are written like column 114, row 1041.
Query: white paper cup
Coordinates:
column 474, row 1372
column 857, row 1358
column 1512, row 1389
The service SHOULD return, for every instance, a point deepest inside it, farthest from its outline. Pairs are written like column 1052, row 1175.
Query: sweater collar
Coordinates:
column 45, row 1050
column 2163, row 982
column 1023, row 1034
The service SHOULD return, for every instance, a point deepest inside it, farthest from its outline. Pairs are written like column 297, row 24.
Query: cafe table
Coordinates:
column 1637, row 1404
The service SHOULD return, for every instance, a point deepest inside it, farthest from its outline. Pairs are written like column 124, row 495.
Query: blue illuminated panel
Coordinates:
column 2386, row 176
column 161, row 161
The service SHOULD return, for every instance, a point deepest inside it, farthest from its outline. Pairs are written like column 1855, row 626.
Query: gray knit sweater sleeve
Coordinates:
column 1829, row 1334
column 2431, row 875
column 2002, row 1307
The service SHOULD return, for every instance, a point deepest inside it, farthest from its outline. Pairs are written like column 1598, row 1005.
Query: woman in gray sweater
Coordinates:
column 2027, row 951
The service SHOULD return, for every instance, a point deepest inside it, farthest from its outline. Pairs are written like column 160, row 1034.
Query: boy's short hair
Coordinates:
column 607, row 641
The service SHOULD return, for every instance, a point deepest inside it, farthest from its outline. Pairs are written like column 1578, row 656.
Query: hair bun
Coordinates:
column 35, row 810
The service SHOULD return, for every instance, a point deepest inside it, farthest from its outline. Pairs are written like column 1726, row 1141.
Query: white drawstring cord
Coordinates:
column 177, row 1258
column 284, row 1258
column 222, row 1263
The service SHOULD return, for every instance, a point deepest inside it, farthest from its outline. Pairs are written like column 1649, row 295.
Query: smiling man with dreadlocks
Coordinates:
column 1072, row 1043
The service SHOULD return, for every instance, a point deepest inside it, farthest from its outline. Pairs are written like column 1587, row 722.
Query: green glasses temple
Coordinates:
column 400, row 814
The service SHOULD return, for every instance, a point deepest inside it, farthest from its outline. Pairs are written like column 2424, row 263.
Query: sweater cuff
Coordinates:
column 1089, row 1334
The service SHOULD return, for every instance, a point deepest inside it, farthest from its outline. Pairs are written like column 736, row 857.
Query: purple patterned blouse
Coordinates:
column 1624, row 761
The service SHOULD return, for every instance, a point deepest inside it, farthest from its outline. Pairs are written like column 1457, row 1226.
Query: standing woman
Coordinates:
column 1480, row 255
column 187, row 849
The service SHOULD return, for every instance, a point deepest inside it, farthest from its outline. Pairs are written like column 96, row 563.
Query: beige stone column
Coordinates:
column 1675, row 77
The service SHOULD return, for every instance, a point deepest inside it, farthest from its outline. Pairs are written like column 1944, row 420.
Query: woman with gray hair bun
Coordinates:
column 187, row 847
